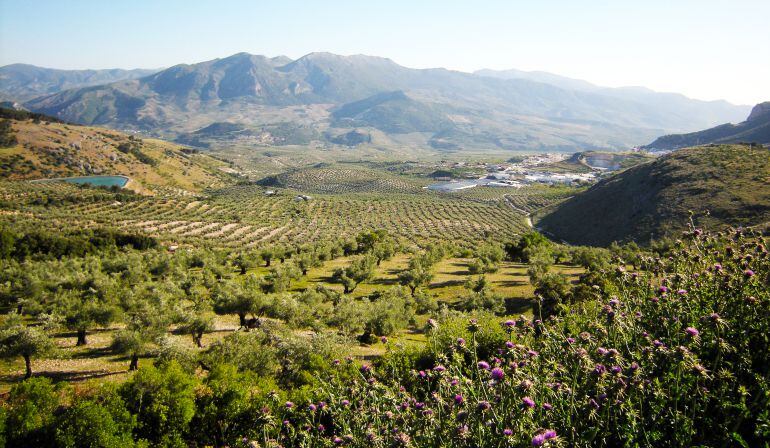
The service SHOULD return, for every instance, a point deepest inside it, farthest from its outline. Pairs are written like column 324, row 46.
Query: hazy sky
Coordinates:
column 706, row 49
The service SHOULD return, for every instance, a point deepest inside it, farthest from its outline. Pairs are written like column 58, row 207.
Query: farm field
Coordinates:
column 312, row 207
column 96, row 362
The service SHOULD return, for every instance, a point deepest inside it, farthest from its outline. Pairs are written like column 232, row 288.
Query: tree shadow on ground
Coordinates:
column 69, row 376
column 518, row 305
column 446, row 284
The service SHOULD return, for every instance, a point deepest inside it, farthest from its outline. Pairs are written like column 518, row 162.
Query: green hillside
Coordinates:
column 722, row 185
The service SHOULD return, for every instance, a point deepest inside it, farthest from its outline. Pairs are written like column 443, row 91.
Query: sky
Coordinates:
column 705, row 49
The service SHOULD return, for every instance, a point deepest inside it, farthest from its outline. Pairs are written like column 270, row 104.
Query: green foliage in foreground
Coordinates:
column 674, row 354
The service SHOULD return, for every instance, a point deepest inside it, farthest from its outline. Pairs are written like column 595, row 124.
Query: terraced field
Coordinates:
column 244, row 216
column 344, row 180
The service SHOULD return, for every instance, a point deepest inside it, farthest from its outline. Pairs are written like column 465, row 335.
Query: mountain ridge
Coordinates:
column 755, row 129
column 257, row 90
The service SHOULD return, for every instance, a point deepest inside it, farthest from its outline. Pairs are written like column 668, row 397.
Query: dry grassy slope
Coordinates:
column 725, row 185
column 48, row 150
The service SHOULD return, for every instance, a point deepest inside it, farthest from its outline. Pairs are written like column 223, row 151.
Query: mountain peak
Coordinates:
column 760, row 111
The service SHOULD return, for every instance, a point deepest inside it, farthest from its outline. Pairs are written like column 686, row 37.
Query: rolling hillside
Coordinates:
column 37, row 149
column 756, row 129
column 722, row 185
column 335, row 94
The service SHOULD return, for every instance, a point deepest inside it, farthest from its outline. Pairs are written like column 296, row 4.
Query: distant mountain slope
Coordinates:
column 392, row 112
column 45, row 149
column 22, row 82
column 729, row 182
column 756, row 129
column 257, row 90
column 673, row 103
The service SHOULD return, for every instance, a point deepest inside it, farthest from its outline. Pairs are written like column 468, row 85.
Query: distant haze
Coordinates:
column 705, row 49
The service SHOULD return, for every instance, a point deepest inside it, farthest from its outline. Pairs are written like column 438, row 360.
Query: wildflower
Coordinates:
column 528, row 402
column 461, row 342
column 321, row 428
column 366, row 368
column 473, row 325
column 312, row 407
column 681, row 292
column 459, row 399
column 384, row 340
column 507, row 432
column 497, row 374
column 601, row 351
column 600, row 369
column 663, row 289
column 549, row 434
column 483, row 365
column 547, row 406
column 289, row 405
column 345, row 402
column 532, row 353
column 439, row 368
column 484, row 406
column 338, row 441
column 538, row 440
column 336, row 362
column 692, row 332
column 571, row 340
column 718, row 267
column 748, row 273
column 509, row 344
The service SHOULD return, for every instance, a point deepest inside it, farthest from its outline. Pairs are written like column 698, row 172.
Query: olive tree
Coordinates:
column 18, row 339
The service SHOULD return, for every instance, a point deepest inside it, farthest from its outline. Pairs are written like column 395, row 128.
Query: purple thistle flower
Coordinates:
column 528, row 402
column 748, row 273
column 682, row 292
column 497, row 374
column 321, row 428
column 338, row 441
column 549, row 434
column 507, row 432
column 718, row 267
column 663, row 289
column 692, row 332
column 312, row 407
column 289, row 405
column 547, row 406
column 439, row 368
column 366, row 368
column 532, row 353
column 483, row 365
column 459, row 399
column 384, row 340
column 509, row 344
column 345, row 402
column 484, row 406
column 538, row 440
column 461, row 342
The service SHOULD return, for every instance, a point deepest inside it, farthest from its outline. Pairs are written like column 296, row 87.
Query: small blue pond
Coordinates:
column 98, row 181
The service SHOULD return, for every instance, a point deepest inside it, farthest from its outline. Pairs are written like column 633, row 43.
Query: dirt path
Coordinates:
column 524, row 212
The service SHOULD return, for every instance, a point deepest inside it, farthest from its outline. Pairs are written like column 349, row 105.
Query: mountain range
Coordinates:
column 756, row 129
column 22, row 82
column 323, row 98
